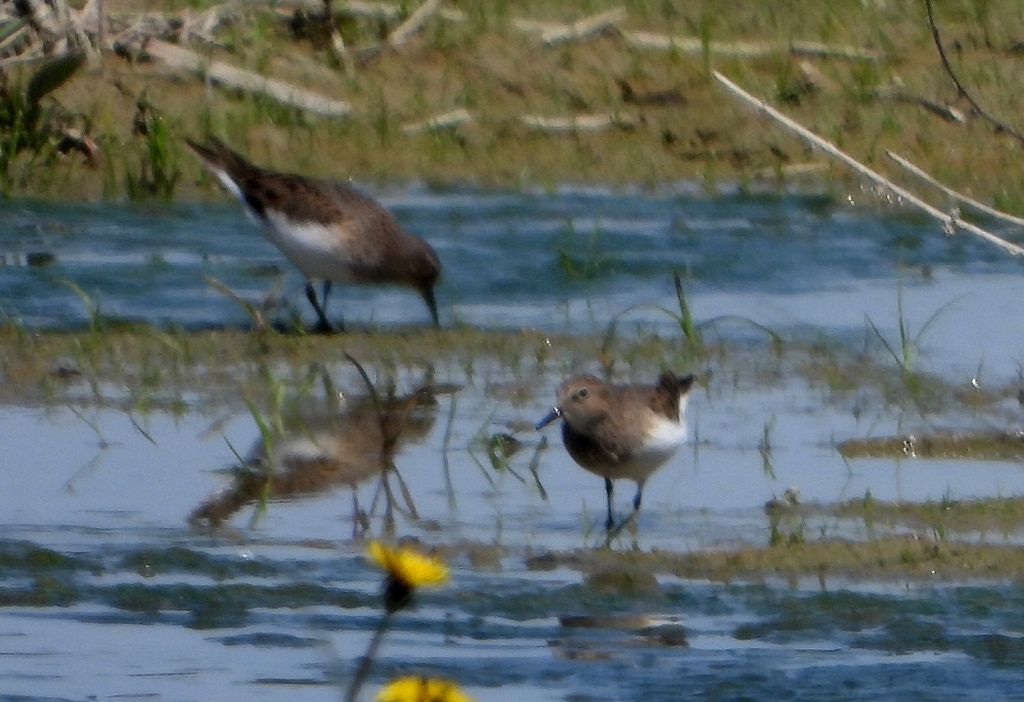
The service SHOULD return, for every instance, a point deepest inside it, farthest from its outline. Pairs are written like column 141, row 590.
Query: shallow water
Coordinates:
column 571, row 260
column 108, row 592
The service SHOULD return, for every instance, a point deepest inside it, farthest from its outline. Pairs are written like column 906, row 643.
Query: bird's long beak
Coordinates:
column 551, row 416
column 428, row 296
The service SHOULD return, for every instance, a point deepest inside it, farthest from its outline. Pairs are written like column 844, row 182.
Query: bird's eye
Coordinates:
column 583, row 393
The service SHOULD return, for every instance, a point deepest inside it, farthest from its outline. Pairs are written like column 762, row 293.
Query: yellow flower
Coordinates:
column 417, row 689
column 408, row 567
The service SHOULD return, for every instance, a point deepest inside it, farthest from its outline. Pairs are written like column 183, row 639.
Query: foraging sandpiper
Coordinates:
column 622, row 431
column 330, row 230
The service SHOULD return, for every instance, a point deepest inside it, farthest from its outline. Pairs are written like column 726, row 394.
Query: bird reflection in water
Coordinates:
column 326, row 448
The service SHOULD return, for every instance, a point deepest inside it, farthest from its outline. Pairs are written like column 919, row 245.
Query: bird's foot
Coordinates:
column 613, row 531
column 325, row 327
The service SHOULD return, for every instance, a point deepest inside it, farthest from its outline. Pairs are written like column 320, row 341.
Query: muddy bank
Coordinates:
column 880, row 560
column 632, row 103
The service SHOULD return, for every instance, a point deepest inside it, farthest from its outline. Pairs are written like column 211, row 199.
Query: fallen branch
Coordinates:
column 950, row 114
column 373, row 10
column 819, row 50
column 92, row 20
column 16, row 35
column 140, row 29
column 961, row 90
column 552, row 34
column 791, row 170
column 448, row 120
column 338, row 48
column 402, row 33
column 740, row 49
column 229, row 76
column 205, row 25
column 74, row 28
column 813, row 77
column 980, row 207
column 415, row 22
column 34, row 53
column 578, row 123
column 342, row 54
column 41, row 15
column 950, row 221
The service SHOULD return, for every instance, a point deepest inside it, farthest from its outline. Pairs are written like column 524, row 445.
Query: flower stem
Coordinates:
column 367, row 660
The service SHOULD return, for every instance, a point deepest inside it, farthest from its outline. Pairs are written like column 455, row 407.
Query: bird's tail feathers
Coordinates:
column 676, row 383
column 226, row 164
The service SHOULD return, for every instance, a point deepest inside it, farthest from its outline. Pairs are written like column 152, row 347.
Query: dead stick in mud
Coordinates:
column 979, row 206
column 239, row 79
column 71, row 27
column 579, row 123
column 744, row 49
column 584, row 28
column 949, row 221
column 338, row 48
column 358, row 8
column 946, row 112
column 449, row 120
column 415, row 22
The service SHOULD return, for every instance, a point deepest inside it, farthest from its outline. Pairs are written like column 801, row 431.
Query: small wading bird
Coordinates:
column 622, row 431
column 329, row 230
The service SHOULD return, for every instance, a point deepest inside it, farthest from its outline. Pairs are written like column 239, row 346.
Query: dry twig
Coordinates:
column 961, row 90
column 949, row 221
column 579, row 123
column 741, row 49
column 552, row 34
column 950, row 114
column 415, row 22
column 239, row 79
column 448, row 120
column 980, row 207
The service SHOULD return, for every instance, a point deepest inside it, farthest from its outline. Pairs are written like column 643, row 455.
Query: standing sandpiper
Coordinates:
column 330, row 230
column 622, row 431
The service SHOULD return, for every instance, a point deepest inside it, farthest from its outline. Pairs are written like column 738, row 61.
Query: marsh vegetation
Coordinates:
column 186, row 460
column 863, row 75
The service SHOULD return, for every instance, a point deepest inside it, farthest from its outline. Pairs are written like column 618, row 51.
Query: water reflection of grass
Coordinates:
column 141, row 369
column 580, row 262
column 125, row 365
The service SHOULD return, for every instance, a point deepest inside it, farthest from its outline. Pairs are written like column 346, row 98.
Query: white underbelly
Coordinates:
column 314, row 248
column 664, row 440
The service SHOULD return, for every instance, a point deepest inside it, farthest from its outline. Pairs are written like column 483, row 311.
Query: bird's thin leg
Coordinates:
column 355, row 515
column 327, row 291
column 630, row 520
column 324, row 325
column 608, row 488
column 639, row 496
column 360, row 521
